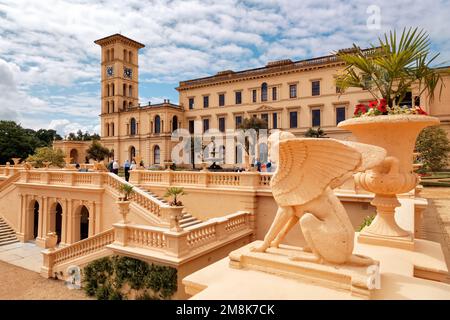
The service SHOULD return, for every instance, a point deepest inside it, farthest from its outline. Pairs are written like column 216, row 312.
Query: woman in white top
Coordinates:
column 133, row 165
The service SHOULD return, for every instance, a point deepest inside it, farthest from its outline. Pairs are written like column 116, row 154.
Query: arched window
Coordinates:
column 112, row 89
column 112, row 54
column 132, row 126
column 124, row 55
column 156, row 155
column 107, row 90
column 107, row 55
column 132, row 153
column 174, row 123
column 130, row 91
column 107, row 129
column 157, row 124
column 264, row 92
column 130, row 57
column 112, row 129
column 112, row 106
column 107, row 107
column 124, row 89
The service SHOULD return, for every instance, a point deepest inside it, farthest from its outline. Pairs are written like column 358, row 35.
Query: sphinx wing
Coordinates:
column 307, row 166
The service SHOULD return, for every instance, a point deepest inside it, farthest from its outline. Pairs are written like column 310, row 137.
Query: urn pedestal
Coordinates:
column 397, row 134
column 124, row 209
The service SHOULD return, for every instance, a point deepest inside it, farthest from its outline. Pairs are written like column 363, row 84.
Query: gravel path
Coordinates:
column 20, row 284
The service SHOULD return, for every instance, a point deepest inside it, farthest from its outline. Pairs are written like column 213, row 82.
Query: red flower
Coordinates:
column 373, row 104
column 360, row 109
column 382, row 107
column 383, row 102
column 419, row 110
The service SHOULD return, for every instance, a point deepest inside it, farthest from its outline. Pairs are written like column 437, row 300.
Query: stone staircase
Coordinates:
column 7, row 234
column 186, row 221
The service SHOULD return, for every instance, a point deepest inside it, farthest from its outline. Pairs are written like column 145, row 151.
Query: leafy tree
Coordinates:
column 433, row 146
column 80, row 136
column 97, row 152
column 43, row 154
column 175, row 192
column 392, row 67
column 315, row 133
column 15, row 141
column 47, row 136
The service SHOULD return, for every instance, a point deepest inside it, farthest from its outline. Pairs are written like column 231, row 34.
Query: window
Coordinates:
column 124, row 55
column 124, row 105
column 112, row 129
column 205, row 125
column 315, row 85
column 254, row 95
column 124, row 87
column 222, row 124
column 293, row 119
column 132, row 153
column 274, row 94
column 191, row 103
column 340, row 114
column 238, row 120
column 157, row 124
column 156, row 155
column 316, row 117
column 221, row 100
column 112, row 54
column 130, row 91
column 293, row 91
column 238, row 95
column 112, row 89
column 275, row 120
column 264, row 92
column 265, row 117
column 133, row 126
column 107, row 55
column 107, row 107
column 205, row 101
column 174, row 123
column 130, row 57
column 191, row 126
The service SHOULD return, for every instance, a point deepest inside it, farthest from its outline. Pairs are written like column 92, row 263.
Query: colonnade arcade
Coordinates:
column 72, row 219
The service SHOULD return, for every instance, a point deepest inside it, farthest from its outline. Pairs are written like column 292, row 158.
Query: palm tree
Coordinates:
column 315, row 133
column 390, row 69
column 175, row 192
column 126, row 190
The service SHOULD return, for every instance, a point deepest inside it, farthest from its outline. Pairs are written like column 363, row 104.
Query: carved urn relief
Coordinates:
column 397, row 134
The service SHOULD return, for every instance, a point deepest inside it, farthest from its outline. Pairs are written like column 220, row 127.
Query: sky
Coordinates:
column 50, row 66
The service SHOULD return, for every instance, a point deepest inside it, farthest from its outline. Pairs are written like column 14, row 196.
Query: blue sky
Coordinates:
column 50, row 67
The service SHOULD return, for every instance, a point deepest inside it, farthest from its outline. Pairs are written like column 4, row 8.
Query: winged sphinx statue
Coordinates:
column 302, row 185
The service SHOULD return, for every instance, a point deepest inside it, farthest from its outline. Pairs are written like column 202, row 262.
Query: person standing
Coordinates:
column 115, row 167
column 269, row 166
column 127, row 170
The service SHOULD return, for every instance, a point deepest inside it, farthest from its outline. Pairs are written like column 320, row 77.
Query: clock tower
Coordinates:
column 119, row 80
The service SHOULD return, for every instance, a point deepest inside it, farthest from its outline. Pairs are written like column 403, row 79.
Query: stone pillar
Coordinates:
column 91, row 219
column 23, row 205
column 40, row 240
column 176, row 243
column 98, row 217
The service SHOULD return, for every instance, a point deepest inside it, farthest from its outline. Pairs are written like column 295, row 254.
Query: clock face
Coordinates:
column 127, row 72
column 110, row 71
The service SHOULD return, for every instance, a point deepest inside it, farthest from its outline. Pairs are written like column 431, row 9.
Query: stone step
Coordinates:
column 8, row 239
column 8, row 232
column 186, row 220
column 4, row 243
column 190, row 224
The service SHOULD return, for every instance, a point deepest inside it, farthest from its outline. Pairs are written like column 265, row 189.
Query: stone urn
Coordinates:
column 16, row 161
column 51, row 240
column 397, row 134
column 175, row 213
column 168, row 164
column 204, row 166
column 124, row 209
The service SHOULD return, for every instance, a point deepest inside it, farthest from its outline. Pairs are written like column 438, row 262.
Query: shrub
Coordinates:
column 367, row 221
column 433, row 147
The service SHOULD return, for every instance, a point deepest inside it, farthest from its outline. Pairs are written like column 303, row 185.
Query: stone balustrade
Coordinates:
column 9, row 170
column 252, row 180
column 187, row 241
column 53, row 258
column 62, row 177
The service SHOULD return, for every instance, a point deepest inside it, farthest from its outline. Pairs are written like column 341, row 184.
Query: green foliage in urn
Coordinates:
column 433, row 147
column 175, row 192
column 116, row 278
column 47, row 154
column 392, row 67
column 367, row 221
column 97, row 152
column 126, row 190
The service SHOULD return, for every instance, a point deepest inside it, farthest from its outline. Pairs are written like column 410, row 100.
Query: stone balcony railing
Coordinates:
column 189, row 241
column 180, row 244
column 245, row 180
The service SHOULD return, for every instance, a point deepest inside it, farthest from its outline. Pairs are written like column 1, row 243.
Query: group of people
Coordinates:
column 114, row 167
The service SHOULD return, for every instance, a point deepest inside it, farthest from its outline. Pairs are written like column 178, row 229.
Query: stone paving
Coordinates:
column 26, row 255
column 436, row 218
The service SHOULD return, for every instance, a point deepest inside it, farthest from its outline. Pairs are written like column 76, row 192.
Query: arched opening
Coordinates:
column 124, row 88
column 56, row 219
column 112, row 106
column 264, row 92
column 107, row 90
column 112, row 54
column 157, row 124
column 107, row 129
column 132, row 126
column 112, row 89
column 35, row 219
column 74, row 155
column 112, row 129
column 124, row 105
column 130, row 91
column 124, row 55
column 132, row 153
column 82, row 223
column 156, row 155
column 107, row 107
column 174, row 123
column 107, row 55
column 130, row 57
